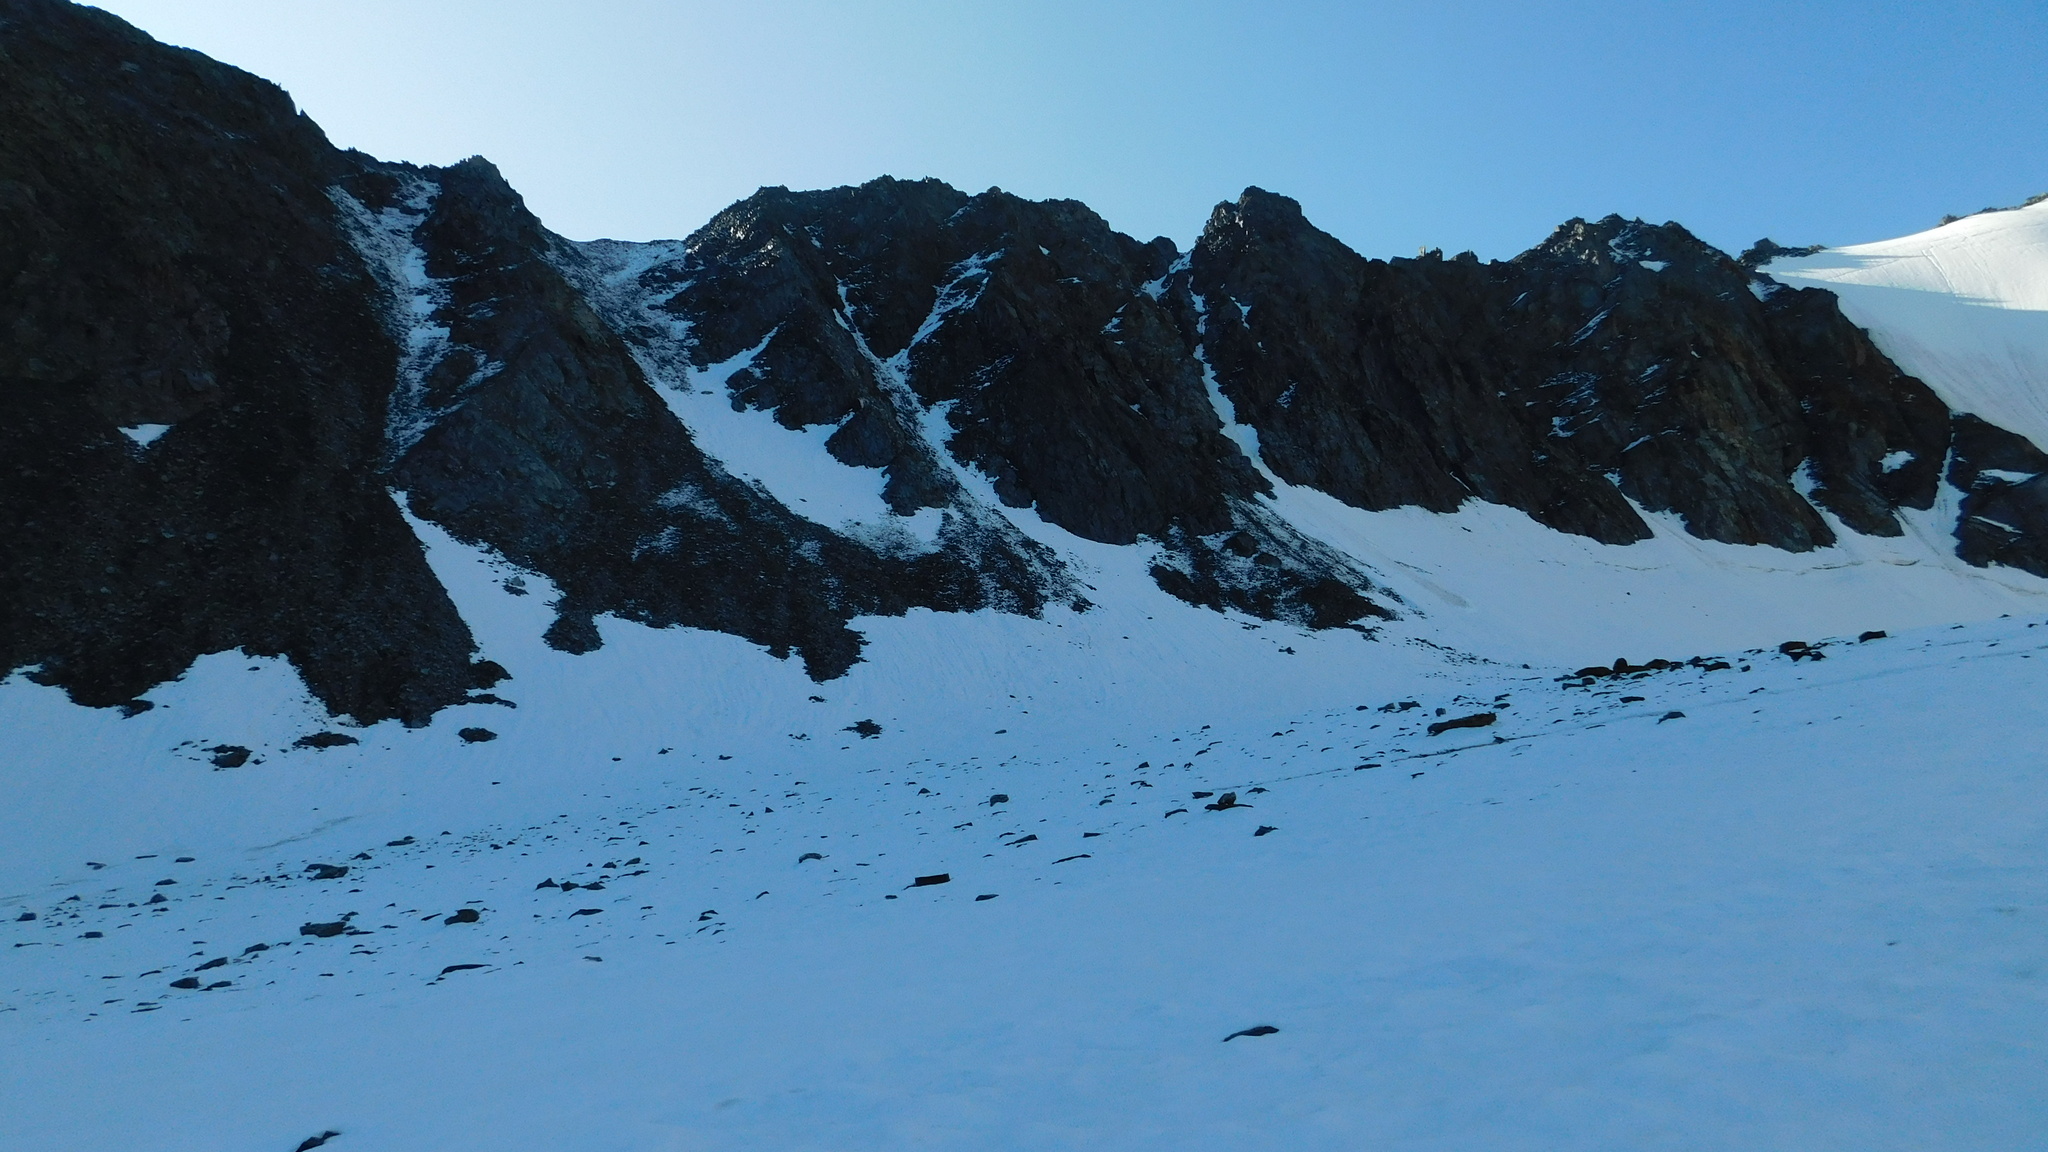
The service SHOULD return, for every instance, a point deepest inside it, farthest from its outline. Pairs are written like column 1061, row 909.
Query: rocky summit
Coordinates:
column 242, row 367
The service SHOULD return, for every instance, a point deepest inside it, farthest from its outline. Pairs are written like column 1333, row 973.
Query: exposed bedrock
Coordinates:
column 231, row 348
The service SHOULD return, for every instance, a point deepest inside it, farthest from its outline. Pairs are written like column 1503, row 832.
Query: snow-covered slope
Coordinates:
column 1777, row 904
column 1963, row 306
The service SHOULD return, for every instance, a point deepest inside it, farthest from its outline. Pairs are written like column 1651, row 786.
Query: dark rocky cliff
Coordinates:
column 169, row 256
column 319, row 330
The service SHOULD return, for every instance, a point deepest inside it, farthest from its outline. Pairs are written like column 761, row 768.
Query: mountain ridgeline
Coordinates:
column 236, row 357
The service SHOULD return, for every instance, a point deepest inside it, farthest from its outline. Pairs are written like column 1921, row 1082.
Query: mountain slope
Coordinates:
column 961, row 677
column 239, row 353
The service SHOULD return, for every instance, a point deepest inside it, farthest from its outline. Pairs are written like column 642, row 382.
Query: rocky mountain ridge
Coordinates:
column 238, row 358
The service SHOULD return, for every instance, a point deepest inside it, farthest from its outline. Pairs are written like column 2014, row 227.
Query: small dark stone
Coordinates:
column 158, row 898
column 810, row 856
column 998, row 798
column 312, row 1142
column 1259, row 1030
column 219, row 984
column 585, row 912
column 216, row 962
column 26, row 916
column 476, row 735
column 463, row 916
column 547, row 883
column 327, row 871
column 459, row 968
column 1670, row 716
column 398, row 843
column 1023, row 839
column 1874, row 634
column 324, row 740
column 255, row 948
column 1064, row 859
column 1203, row 795
column 928, row 881
column 163, row 882
column 1227, row 800
column 985, row 896
column 1631, row 699
column 1265, row 828
column 92, row 935
column 866, row 729
column 323, row 931
column 1174, row 812
column 229, row 755
column 1476, row 720
column 188, row 982
column 183, row 860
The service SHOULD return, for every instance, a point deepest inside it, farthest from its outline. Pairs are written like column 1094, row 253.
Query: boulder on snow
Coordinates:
column 1476, row 720
column 324, row 740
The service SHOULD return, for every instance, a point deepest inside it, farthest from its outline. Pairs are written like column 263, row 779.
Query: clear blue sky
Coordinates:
column 1460, row 125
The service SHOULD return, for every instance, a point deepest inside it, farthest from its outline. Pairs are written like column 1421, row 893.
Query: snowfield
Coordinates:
column 1141, row 877
column 1805, row 914
column 1963, row 306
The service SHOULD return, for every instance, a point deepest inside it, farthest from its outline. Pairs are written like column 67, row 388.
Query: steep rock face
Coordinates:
column 539, row 434
column 170, row 264
column 1616, row 358
column 1025, row 341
